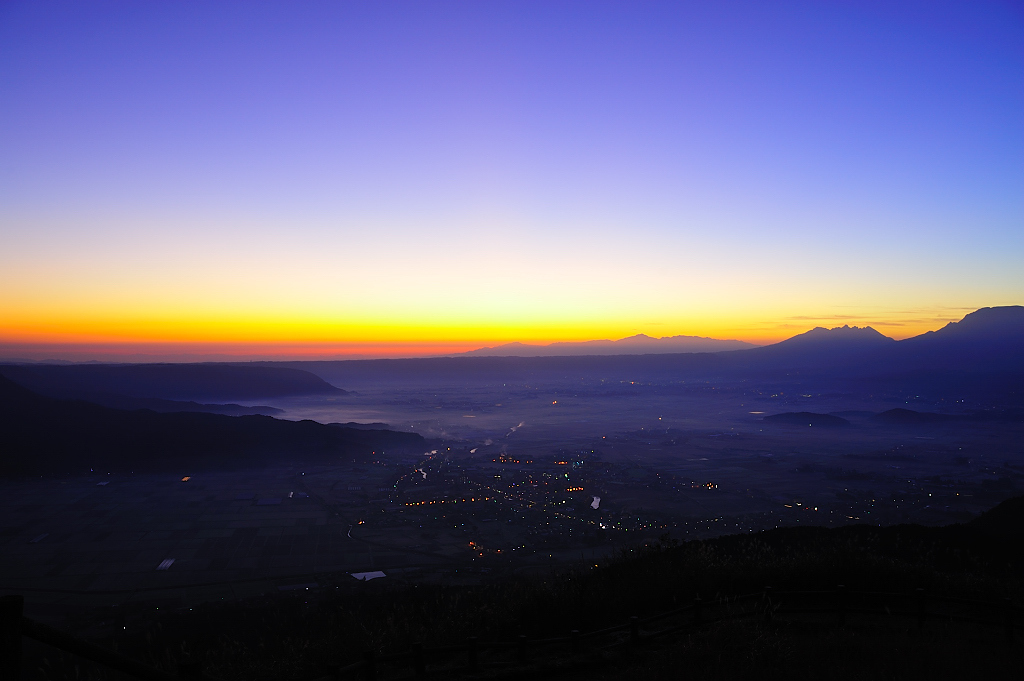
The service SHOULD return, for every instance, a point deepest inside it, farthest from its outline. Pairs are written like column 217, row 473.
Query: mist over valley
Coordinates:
column 450, row 470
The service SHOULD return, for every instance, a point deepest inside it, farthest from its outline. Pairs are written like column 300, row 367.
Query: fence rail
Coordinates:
column 838, row 604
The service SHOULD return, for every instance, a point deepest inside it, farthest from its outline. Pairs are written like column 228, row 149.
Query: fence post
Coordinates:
column 767, row 604
column 370, row 666
column 574, row 637
column 522, row 647
column 841, row 603
column 419, row 665
column 1008, row 614
column 634, row 630
column 919, row 593
column 697, row 604
column 474, row 662
column 11, row 609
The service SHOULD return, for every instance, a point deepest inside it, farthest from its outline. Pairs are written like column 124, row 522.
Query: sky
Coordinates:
column 378, row 178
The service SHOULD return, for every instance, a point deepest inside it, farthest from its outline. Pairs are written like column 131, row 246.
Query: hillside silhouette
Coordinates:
column 975, row 562
column 981, row 355
column 819, row 348
column 204, row 381
column 987, row 341
column 52, row 436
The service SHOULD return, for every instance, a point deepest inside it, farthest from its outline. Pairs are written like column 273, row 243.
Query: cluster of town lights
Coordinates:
column 445, row 501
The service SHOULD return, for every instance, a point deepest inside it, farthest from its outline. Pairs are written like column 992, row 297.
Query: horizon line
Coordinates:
column 144, row 352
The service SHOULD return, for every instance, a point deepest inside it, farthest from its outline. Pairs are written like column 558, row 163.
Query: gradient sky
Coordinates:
column 436, row 175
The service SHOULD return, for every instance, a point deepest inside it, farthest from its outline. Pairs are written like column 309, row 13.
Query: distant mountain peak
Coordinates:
column 865, row 335
column 848, row 330
column 632, row 345
column 1007, row 319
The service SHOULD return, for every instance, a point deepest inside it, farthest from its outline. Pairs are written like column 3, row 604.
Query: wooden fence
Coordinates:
column 839, row 606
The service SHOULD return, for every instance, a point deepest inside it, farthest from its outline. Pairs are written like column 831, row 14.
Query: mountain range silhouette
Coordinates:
column 982, row 354
column 638, row 344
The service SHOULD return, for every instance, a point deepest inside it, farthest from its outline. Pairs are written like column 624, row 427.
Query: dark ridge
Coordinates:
column 899, row 416
column 987, row 322
column 362, row 426
column 853, row 414
column 203, row 382
column 807, row 418
column 851, row 336
column 979, row 359
column 162, row 405
column 906, row 565
column 817, row 350
column 41, row 435
column 1004, row 520
column 987, row 341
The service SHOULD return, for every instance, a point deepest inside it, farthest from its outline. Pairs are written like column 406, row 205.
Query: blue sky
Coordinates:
column 505, row 171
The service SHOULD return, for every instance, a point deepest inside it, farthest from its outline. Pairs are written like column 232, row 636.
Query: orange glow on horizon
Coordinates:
column 268, row 341
column 162, row 334
column 317, row 336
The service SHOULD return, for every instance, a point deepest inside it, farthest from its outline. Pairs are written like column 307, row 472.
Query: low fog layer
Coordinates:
column 476, row 466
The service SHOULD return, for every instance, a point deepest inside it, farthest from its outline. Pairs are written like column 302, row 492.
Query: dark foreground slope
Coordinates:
column 304, row 635
column 41, row 435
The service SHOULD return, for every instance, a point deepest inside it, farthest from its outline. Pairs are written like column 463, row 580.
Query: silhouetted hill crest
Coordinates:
column 900, row 416
column 46, row 435
column 987, row 342
column 185, row 382
column 812, row 351
column 855, row 359
column 807, row 419
column 1005, row 519
column 865, row 336
column 986, row 322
